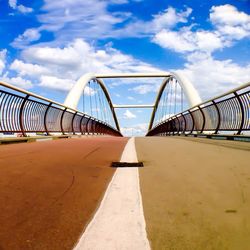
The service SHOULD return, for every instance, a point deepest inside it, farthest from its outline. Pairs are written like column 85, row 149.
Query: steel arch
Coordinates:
column 75, row 93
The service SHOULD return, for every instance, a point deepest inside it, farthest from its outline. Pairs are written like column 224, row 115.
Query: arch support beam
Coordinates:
column 75, row 93
column 188, row 88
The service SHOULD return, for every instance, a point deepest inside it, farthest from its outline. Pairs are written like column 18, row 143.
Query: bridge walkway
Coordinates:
column 195, row 192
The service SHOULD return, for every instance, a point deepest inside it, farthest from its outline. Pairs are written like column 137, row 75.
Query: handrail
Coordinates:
column 227, row 112
column 21, row 114
column 7, row 85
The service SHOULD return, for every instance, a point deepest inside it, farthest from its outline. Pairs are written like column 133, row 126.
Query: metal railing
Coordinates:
column 24, row 112
column 228, row 113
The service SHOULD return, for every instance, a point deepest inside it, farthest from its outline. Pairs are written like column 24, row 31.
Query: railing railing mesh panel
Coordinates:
column 26, row 113
column 230, row 112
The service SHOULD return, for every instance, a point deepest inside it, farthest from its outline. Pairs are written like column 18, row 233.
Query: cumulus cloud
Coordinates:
column 169, row 18
column 187, row 41
column 21, row 8
column 12, row 3
column 29, row 35
column 135, row 130
column 146, row 88
column 17, row 81
column 230, row 22
column 211, row 76
column 228, row 15
column 89, row 18
column 93, row 19
column 229, row 25
column 28, row 69
column 2, row 60
column 53, row 82
column 89, row 91
column 163, row 20
column 72, row 61
column 128, row 115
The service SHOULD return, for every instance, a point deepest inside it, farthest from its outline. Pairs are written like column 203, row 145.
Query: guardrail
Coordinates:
column 228, row 113
column 24, row 112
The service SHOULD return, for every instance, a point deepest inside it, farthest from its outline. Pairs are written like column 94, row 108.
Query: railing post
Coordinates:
column 80, row 125
column 219, row 118
column 72, row 123
column 45, row 118
column 178, row 124
column 192, row 121
column 204, row 119
column 61, row 122
column 87, row 125
column 185, row 123
column 21, row 114
column 242, row 113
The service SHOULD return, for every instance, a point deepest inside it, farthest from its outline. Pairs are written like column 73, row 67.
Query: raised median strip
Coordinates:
column 119, row 222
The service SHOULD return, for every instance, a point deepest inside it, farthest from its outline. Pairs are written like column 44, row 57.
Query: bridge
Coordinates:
column 80, row 184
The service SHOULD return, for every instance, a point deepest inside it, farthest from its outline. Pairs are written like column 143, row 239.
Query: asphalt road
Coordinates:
column 195, row 192
column 50, row 190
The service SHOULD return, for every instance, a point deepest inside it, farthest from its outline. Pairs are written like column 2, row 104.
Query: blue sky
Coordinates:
column 47, row 45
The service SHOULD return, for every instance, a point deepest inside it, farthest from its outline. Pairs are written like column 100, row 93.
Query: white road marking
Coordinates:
column 119, row 222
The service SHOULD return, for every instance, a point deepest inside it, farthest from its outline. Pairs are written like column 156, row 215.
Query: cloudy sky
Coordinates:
column 47, row 45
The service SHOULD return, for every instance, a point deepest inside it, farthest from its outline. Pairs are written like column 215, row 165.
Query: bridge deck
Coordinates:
column 49, row 190
column 195, row 192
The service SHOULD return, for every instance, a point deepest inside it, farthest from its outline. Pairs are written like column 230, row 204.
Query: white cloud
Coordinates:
column 92, row 19
column 146, row 88
column 178, row 41
column 128, row 115
column 89, row 91
column 74, row 60
column 135, row 130
column 12, row 3
column 230, row 22
column 163, row 20
column 29, row 35
column 169, row 18
column 24, row 9
column 185, row 40
column 21, row 8
column 131, row 98
column 212, row 77
column 28, row 69
column 228, row 15
column 56, row 83
column 17, row 81
column 88, row 18
column 2, row 60
column 209, row 75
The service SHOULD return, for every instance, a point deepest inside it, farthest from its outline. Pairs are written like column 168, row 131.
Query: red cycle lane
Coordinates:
column 50, row 190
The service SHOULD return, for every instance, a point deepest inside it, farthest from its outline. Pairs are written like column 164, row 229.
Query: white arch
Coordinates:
column 75, row 93
column 191, row 93
column 188, row 89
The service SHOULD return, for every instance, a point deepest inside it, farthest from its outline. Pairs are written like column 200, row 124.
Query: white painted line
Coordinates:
column 119, row 222
column 129, row 153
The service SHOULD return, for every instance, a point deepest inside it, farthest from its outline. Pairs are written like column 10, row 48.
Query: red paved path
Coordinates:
column 50, row 190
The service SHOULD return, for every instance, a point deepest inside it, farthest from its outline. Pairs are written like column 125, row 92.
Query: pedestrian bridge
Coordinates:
column 87, row 190
column 24, row 112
